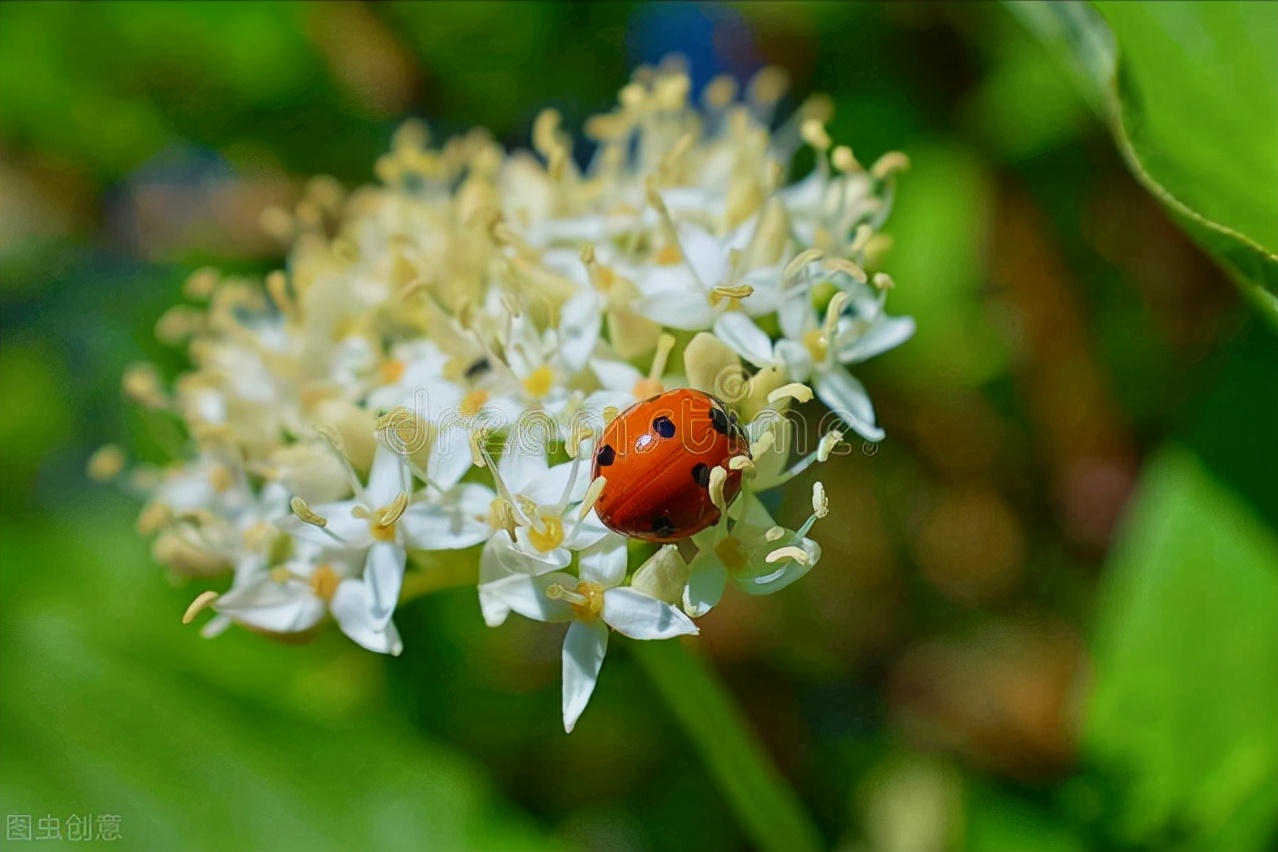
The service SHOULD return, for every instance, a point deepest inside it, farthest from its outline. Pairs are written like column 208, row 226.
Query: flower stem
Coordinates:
column 768, row 810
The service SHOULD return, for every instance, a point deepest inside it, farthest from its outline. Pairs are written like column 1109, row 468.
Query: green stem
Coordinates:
column 767, row 808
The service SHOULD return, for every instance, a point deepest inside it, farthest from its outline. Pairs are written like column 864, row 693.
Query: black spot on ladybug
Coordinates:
column 665, row 426
column 662, row 526
column 719, row 420
column 606, row 455
column 701, row 474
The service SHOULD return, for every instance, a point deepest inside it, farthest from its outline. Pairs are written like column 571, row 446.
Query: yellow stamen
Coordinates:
column 280, row 574
column 815, row 342
column 813, row 132
column 741, row 463
column 892, row 161
column 800, row 262
column 154, row 517
column 472, row 402
column 798, row 554
column 392, row 370
column 106, row 462
column 839, row 264
column 592, row 494
column 221, row 478
column 586, row 600
column 304, row 513
column 795, row 390
column 844, row 161
column 820, row 504
column 883, row 281
column 829, row 441
column 774, row 534
column 718, row 477
column 388, row 515
column 669, row 255
column 324, row 582
column 540, row 382
column 204, row 601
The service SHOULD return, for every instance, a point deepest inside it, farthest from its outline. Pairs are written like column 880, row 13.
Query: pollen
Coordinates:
column 814, row 342
column 731, row 553
column 669, row 255
column 280, row 574
column 550, row 536
column 472, row 402
column 391, row 371
column 540, row 382
column 324, row 582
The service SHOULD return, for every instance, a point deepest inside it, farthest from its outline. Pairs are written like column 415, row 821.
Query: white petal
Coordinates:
column 885, row 334
column 604, row 562
column 590, row 531
column 686, row 310
column 796, row 359
column 578, row 329
column 352, row 610
column 453, row 521
column 549, row 486
column 795, row 314
column 706, row 580
column 615, row 375
column 384, row 574
column 526, row 595
column 766, row 578
column 706, row 255
column 278, row 607
column 847, row 398
column 747, row 339
column 523, row 462
column 584, row 649
column 450, row 457
column 632, row 613
column 387, row 477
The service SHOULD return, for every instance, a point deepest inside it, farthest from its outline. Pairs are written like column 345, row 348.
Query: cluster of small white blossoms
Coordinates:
column 431, row 368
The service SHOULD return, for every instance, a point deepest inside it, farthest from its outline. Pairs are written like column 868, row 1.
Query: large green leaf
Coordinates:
column 1190, row 91
column 1186, row 683
column 111, row 707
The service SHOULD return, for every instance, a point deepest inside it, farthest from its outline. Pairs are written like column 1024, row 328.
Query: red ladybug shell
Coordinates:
column 657, row 456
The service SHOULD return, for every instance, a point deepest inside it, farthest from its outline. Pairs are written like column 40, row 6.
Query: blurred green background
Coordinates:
column 1047, row 617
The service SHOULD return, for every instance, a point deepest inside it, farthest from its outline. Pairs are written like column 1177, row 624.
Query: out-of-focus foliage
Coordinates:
column 1186, row 689
column 997, row 651
column 1191, row 90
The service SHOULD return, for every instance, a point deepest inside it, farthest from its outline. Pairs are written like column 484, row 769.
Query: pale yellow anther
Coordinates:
column 829, row 441
column 592, row 494
column 889, row 163
column 801, row 261
column 588, row 254
column 769, row 85
column 154, row 517
column 201, row 603
column 276, row 222
column 883, row 281
column 733, row 294
column 795, row 390
column 587, row 600
column 819, row 106
column 545, row 132
column 330, row 435
column 610, row 413
column 861, row 238
column 477, row 455
column 766, row 441
column 813, row 133
column 718, row 478
column 306, row 514
column 413, row 134
column 671, row 92
column 106, row 463
column 741, row 462
column 201, row 283
column 798, row 554
column 774, row 534
column 681, row 146
column 388, row 515
column 632, row 96
column 820, row 503
column 720, row 92
column 141, row 383
column 832, row 313
column 841, row 264
column 473, row 402
column 844, row 160
column 277, row 288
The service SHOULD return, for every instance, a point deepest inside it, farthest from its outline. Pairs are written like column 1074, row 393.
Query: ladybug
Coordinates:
column 657, row 456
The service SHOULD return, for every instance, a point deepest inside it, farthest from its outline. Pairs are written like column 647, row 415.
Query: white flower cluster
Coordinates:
column 430, row 370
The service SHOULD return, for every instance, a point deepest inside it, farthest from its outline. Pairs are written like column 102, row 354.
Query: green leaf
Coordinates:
column 112, row 707
column 1190, row 91
column 771, row 815
column 1186, row 678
